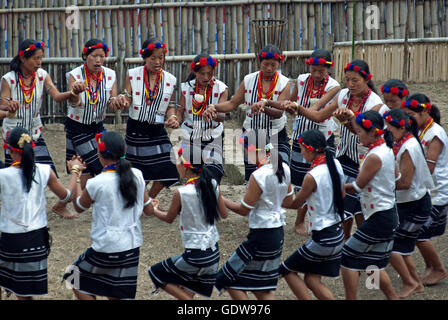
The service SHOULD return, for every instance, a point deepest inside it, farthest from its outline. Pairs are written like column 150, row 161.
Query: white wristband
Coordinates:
column 80, row 205
column 67, row 197
column 246, row 205
column 290, row 193
column 399, row 177
column 355, row 186
column 147, row 202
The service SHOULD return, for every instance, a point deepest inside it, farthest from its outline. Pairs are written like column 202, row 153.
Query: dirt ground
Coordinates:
column 162, row 240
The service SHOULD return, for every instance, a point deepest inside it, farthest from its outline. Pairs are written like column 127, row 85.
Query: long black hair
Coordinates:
column 364, row 67
column 15, row 63
column 316, row 139
column 434, row 112
column 205, row 187
column 410, row 124
column 378, row 123
column 20, row 140
column 115, row 150
column 258, row 139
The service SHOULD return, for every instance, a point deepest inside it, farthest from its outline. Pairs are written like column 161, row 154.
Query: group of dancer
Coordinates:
column 388, row 172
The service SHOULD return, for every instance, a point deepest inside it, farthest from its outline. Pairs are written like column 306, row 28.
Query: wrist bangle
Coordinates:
column 147, row 202
column 246, row 205
column 67, row 197
column 73, row 93
column 398, row 177
column 172, row 116
column 356, row 187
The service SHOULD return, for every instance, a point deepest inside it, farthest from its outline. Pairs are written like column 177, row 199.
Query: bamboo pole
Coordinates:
column 120, row 33
column 350, row 20
column 396, row 19
column 252, row 16
column 63, row 34
column 32, row 20
column 412, row 31
column 389, row 20
column 144, row 28
column 419, row 19
column 311, row 26
column 290, row 16
column 127, row 32
column 75, row 37
column 304, row 14
column 404, row 75
column 296, row 17
column 204, row 29
column 136, row 31
column 359, row 22
column 184, row 30
column 446, row 19
column 326, row 26
column 245, row 28
column 57, row 35
column 169, row 32
column 239, row 23
column 151, row 24
column 211, row 29
column 23, row 22
column 434, row 20
column 115, row 30
column 427, row 19
column 382, row 31
column 107, row 30
column 367, row 32
column 375, row 32
column 402, row 17
column 9, row 32
column 197, row 32
column 190, row 30
column 15, row 31
column 343, row 34
column 2, row 31
column 234, row 30
column 157, row 31
column 318, row 26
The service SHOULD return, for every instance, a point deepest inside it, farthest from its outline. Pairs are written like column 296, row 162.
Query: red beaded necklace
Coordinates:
column 318, row 92
column 151, row 95
column 28, row 91
column 363, row 101
column 398, row 144
column 91, row 93
column 318, row 161
column 199, row 108
column 268, row 94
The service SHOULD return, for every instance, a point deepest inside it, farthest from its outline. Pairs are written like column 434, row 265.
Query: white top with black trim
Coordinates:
column 155, row 112
column 194, row 125
column 321, row 210
column 268, row 211
column 114, row 227
column 379, row 193
column 27, row 116
column 349, row 143
column 421, row 181
column 195, row 231
column 439, row 195
column 89, row 113
column 261, row 120
column 301, row 123
column 21, row 211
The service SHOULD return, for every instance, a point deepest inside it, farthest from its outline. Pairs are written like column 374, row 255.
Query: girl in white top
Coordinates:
column 199, row 205
column 311, row 98
column 22, row 93
column 262, row 92
column 199, row 90
column 118, row 196
column 359, row 96
column 434, row 141
column 254, row 264
column 372, row 243
column 413, row 199
column 24, row 240
column 149, row 95
column 322, row 190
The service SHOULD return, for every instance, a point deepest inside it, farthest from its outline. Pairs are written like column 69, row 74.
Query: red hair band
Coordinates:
column 32, row 47
column 271, row 55
column 351, row 67
column 367, row 124
column 400, row 123
column 394, row 90
column 153, row 46
column 414, row 104
column 309, row 147
column 204, row 62
column 101, row 145
column 104, row 46
column 186, row 163
column 318, row 62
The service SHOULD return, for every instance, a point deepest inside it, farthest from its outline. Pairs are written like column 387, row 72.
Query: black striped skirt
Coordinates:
column 435, row 225
column 23, row 262
column 280, row 142
column 150, row 150
column 412, row 216
column 299, row 167
column 80, row 140
column 41, row 154
column 194, row 270
column 255, row 263
column 352, row 203
column 105, row 274
column 320, row 255
column 211, row 155
column 372, row 243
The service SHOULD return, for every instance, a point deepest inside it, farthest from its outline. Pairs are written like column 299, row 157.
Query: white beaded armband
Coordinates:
column 67, row 197
column 246, row 205
column 80, row 205
column 355, row 186
column 147, row 202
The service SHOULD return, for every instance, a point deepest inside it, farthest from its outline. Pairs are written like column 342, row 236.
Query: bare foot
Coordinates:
column 434, row 277
column 407, row 290
column 426, row 273
column 300, row 229
column 420, row 288
column 61, row 210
